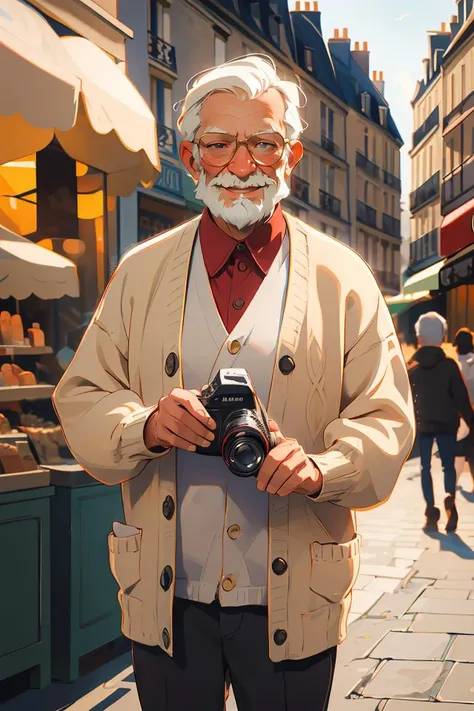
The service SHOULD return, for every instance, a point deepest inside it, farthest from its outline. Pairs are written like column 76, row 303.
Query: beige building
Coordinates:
column 334, row 188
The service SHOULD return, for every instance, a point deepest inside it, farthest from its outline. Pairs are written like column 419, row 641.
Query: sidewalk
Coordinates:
column 411, row 633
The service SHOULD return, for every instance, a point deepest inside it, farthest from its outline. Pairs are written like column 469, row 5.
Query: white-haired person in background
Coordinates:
column 441, row 399
column 222, row 574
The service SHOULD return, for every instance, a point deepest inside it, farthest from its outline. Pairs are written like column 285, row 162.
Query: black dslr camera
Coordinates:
column 242, row 436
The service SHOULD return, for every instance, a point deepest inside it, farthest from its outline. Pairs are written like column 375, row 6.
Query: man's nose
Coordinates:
column 242, row 164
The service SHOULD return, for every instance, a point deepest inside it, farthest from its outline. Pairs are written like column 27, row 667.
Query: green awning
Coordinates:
column 400, row 303
column 426, row 280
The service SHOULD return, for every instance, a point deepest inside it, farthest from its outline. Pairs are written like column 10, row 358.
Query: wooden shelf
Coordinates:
column 24, row 350
column 14, row 393
column 24, row 480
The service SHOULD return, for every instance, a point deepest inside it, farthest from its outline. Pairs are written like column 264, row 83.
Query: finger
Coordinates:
column 287, row 469
column 293, row 485
column 177, row 412
column 272, row 462
column 194, row 406
column 179, row 428
column 273, row 425
column 163, row 434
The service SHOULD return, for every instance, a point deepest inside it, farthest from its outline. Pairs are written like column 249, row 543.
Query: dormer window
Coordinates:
column 365, row 102
column 309, row 59
column 383, row 115
column 274, row 23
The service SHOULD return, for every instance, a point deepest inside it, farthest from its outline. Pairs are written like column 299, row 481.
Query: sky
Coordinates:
column 396, row 32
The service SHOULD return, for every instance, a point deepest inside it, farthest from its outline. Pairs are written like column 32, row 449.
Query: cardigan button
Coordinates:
column 171, row 364
column 166, row 638
column 279, row 637
column 279, row 566
column 286, row 364
column 168, row 508
column 166, row 577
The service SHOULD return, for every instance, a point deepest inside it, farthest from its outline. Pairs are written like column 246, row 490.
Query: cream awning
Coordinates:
column 115, row 130
column 39, row 90
column 42, row 76
column 26, row 268
column 426, row 280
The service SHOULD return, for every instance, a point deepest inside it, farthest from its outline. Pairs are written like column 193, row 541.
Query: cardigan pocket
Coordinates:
column 124, row 556
column 334, row 568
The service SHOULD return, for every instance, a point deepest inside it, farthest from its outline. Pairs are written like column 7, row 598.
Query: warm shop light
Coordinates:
column 90, row 206
column 47, row 243
column 81, row 169
column 74, row 248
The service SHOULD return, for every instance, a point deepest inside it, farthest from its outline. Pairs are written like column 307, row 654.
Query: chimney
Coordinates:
column 378, row 82
column 361, row 56
column 426, row 70
column 443, row 27
column 308, row 6
column 454, row 25
column 340, row 47
column 297, row 6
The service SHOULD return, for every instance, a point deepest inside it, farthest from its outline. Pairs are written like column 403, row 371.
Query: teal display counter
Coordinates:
column 85, row 610
column 25, row 634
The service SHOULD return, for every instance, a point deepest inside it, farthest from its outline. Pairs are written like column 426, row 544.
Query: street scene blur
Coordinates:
column 90, row 167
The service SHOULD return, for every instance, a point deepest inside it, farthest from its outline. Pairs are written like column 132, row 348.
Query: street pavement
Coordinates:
column 411, row 632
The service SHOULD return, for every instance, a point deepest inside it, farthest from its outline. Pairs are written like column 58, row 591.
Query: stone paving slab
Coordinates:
column 454, row 585
column 454, row 624
column 437, row 594
column 410, row 553
column 421, row 706
column 409, row 645
column 443, row 607
column 461, row 575
column 394, row 605
column 363, row 580
column 383, row 584
column 347, row 676
column 364, row 635
column 363, row 600
column 384, row 571
column 458, row 687
column 404, row 680
column 462, row 650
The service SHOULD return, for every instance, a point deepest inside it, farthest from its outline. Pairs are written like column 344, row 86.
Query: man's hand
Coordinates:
column 180, row 420
column 287, row 469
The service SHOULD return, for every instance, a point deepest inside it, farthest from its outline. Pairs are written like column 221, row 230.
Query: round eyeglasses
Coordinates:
column 218, row 149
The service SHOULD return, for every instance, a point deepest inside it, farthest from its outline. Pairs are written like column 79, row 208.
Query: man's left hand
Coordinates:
column 287, row 469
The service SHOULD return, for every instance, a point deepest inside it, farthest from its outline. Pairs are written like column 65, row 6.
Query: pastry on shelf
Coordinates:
column 6, row 328
column 17, row 331
column 4, row 425
column 9, row 376
column 24, row 376
column 10, row 460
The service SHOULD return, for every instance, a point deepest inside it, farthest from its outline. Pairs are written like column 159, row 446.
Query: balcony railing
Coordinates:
column 424, row 247
column 388, row 280
column 392, row 181
column 300, row 188
column 391, row 225
column 367, row 165
column 459, row 181
column 329, row 203
column 428, row 125
column 366, row 214
column 425, row 193
column 329, row 145
column 162, row 52
column 167, row 141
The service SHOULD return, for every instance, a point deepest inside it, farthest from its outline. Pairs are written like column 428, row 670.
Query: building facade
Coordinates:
column 457, row 188
column 332, row 188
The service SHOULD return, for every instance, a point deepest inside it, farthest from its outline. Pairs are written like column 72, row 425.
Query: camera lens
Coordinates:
column 244, row 443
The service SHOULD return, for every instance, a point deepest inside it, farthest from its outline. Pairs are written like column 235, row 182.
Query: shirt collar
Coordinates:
column 263, row 243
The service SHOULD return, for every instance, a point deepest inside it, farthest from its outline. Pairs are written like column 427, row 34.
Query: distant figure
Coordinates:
column 464, row 344
column 441, row 398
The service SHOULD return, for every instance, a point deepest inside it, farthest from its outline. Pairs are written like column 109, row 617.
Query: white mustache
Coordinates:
column 232, row 181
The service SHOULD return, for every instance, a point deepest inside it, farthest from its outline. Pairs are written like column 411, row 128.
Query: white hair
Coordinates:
column 250, row 75
column 431, row 329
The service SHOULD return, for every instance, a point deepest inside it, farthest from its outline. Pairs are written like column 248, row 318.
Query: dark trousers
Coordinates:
column 212, row 641
column 447, row 449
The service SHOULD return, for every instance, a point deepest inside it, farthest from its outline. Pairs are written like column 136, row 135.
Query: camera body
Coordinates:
column 242, row 435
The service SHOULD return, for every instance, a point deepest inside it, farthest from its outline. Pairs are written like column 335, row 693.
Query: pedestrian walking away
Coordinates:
column 464, row 344
column 441, row 398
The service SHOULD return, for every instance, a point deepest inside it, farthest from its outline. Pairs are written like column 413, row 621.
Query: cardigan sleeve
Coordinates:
column 367, row 445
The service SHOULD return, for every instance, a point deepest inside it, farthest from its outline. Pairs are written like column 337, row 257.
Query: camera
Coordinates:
column 242, row 435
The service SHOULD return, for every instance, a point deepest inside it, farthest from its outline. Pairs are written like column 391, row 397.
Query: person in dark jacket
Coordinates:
column 441, row 398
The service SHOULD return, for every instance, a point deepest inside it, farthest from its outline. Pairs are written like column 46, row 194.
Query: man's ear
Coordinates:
column 294, row 156
column 188, row 159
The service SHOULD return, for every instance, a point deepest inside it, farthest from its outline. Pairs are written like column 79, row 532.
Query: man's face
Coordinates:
column 243, row 192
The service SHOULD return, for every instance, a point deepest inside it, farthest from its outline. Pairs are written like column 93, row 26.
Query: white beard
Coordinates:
column 243, row 213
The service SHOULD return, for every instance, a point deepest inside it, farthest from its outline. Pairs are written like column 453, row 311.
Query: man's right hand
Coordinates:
column 179, row 421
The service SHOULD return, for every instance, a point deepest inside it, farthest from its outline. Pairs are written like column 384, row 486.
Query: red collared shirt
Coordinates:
column 235, row 269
